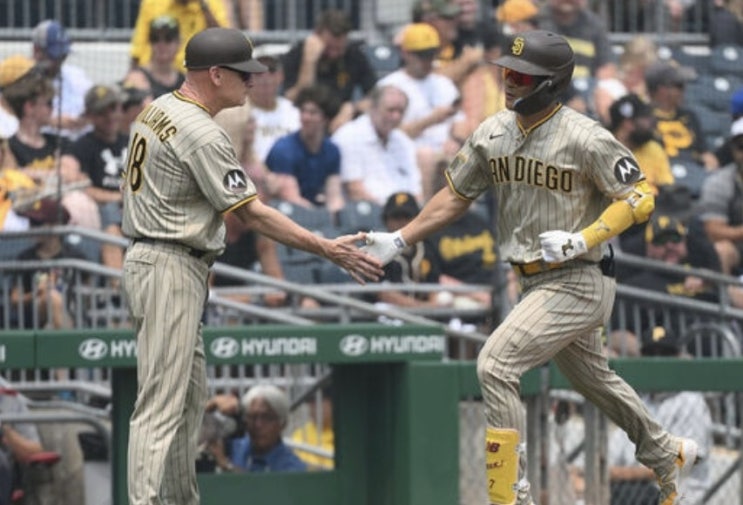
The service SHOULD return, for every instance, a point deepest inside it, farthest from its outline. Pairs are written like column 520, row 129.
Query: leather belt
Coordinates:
column 535, row 267
column 194, row 253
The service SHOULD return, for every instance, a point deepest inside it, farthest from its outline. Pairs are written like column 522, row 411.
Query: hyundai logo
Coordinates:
column 93, row 349
column 354, row 345
column 224, row 347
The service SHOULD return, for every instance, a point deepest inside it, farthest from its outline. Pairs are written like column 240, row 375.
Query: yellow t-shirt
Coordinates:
column 308, row 434
column 11, row 180
column 190, row 18
column 654, row 163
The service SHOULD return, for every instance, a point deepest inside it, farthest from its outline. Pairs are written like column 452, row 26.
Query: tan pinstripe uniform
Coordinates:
column 182, row 175
column 560, row 175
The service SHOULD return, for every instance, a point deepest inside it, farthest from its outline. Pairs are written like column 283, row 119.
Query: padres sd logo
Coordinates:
column 518, row 46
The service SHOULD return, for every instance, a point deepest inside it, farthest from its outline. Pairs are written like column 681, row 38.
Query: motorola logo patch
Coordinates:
column 93, row 349
column 224, row 347
column 626, row 170
column 354, row 345
column 235, row 181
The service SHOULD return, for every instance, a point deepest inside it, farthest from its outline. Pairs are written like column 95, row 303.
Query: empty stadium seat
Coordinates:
column 690, row 174
column 384, row 58
column 713, row 91
column 714, row 122
column 727, row 60
column 360, row 215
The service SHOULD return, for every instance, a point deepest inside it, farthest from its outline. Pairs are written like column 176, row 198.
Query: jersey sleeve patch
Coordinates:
column 626, row 170
column 235, row 182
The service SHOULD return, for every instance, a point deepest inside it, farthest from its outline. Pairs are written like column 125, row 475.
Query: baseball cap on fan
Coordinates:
column 662, row 73
column 400, row 205
column 13, row 68
column 736, row 130
column 221, row 47
column 658, row 341
column 420, row 38
column 629, row 106
column 664, row 228
column 99, row 98
column 51, row 37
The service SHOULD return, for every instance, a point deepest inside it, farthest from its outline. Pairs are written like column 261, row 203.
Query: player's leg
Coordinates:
column 165, row 292
column 557, row 307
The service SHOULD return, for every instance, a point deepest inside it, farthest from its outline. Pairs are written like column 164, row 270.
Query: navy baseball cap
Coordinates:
column 221, row 47
column 51, row 36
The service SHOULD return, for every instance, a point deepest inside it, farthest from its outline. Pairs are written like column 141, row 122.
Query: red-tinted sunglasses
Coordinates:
column 518, row 78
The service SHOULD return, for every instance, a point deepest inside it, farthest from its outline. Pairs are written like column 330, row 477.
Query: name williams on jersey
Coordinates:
column 531, row 171
column 158, row 121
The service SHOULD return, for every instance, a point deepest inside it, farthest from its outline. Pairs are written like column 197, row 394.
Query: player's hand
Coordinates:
column 559, row 246
column 344, row 252
column 384, row 246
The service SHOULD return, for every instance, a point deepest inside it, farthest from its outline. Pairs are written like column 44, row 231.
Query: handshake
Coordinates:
column 384, row 246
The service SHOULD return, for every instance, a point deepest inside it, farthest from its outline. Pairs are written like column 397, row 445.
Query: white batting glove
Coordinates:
column 559, row 246
column 384, row 246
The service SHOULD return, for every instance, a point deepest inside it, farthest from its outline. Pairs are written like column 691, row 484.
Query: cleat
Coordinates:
column 687, row 457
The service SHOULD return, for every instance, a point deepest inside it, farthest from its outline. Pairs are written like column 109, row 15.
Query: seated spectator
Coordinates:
column 327, row 57
column 38, row 154
column 317, row 432
column 684, row 413
column 726, row 23
column 433, row 101
column 482, row 89
column 632, row 122
column 45, row 297
column 51, row 46
column 638, row 53
column 516, row 16
column 266, row 412
column 275, row 115
column 721, row 206
column 305, row 165
column 678, row 126
column 161, row 74
column 14, row 185
column 101, row 154
column 377, row 158
column 12, row 69
column 135, row 100
column 417, row 264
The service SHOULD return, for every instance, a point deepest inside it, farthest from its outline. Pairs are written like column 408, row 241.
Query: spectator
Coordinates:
column 51, row 46
column 377, row 158
column 327, row 57
column 101, row 155
column 306, row 164
column 45, row 296
column 638, row 53
column 721, row 206
column 585, row 32
column 454, row 60
column 685, row 413
column 482, row 89
column 12, row 69
column 471, row 24
column 266, row 409
column 161, row 74
column 135, row 100
column 433, row 101
column 317, row 432
column 516, row 16
column 632, row 122
column 724, row 153
column 678, row 126
column 39, row 154
column 415, row 265
column 726, row 23
column 193, row 16
column 13, row 183
column 275, row 115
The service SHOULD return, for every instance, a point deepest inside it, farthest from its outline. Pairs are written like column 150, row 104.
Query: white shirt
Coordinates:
column 424, row 95
column 8, row 124
column 271, row 125
column 384, row 168
column 70, row 86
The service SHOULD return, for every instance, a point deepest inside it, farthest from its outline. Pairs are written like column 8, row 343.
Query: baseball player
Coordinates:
column 564, row 186
column 181, row 176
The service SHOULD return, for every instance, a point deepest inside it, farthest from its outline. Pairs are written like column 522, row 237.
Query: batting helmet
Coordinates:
column 542, row 54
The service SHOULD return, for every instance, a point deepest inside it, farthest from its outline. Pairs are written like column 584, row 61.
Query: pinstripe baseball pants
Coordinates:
column 166, row 290
column 560, row 318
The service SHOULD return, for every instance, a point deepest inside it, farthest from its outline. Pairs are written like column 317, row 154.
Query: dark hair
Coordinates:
column 335, row 21
column 320, row 95
column 29, row 88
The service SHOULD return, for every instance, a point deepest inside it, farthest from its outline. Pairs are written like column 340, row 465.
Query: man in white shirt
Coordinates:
column 433, row 100
column 377, row 157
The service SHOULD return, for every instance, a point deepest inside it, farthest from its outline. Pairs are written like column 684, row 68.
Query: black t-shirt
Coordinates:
column 466, row 249
column 416, row 265
column 241, row 254
column 101, row 161
column 343, row 75
column 41, row 157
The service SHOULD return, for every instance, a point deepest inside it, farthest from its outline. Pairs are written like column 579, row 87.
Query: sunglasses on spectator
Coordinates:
column 668, row 238
column 518, row 78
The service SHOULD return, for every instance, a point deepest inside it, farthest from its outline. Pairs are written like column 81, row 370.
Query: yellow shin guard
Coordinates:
column 502, row 464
